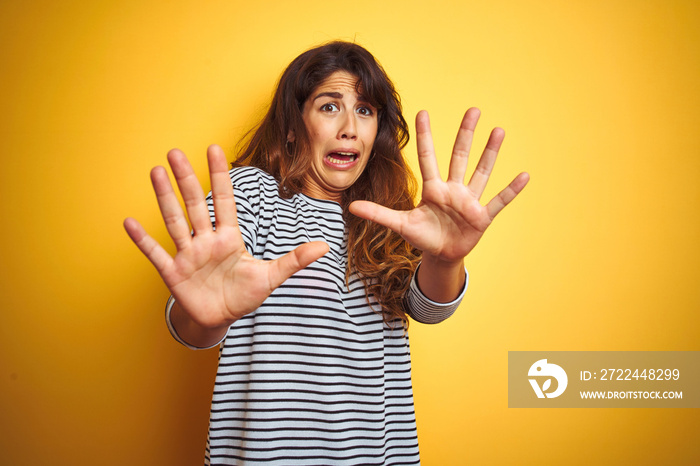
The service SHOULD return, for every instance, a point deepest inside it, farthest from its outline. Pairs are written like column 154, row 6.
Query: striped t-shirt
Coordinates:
column 313, row 376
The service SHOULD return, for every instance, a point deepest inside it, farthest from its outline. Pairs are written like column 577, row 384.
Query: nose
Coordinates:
column 348, row 128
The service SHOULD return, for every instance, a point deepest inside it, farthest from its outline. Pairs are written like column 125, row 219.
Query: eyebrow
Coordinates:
column 335, row 95
column 338, row 95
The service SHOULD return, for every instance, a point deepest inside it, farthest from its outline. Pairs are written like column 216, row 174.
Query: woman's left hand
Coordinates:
column 450, row 219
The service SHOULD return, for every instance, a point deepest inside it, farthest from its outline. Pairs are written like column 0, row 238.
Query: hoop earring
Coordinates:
column 288, row 148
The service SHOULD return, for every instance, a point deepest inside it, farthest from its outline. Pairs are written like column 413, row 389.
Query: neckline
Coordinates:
column 322, row 204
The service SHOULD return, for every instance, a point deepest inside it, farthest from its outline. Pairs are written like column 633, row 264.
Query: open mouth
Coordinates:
column 341, row 158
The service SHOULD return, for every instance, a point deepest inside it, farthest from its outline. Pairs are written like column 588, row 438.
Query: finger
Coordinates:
column 148, row 246
column 295, row 260
column 463, row 144
column 507, row 195
column 191, row 191
column 392, row 219
column 221, row 188
column 426, row 151
column 478, row 181
column 170, row 209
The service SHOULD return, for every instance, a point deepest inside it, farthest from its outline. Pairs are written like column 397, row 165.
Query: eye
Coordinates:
column 329, row 107
column 365, row 111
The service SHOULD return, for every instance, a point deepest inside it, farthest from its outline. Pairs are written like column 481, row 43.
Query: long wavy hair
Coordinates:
column 382, row 259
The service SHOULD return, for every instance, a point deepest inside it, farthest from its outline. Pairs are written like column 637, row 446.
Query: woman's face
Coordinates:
column 342, row 127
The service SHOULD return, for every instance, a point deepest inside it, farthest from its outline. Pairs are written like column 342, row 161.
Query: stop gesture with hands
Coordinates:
column 213, row 278
column 215, row 281
column 449, row 220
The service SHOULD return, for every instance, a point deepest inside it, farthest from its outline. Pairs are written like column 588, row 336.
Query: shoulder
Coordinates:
column 252, row 181
column 251, row 175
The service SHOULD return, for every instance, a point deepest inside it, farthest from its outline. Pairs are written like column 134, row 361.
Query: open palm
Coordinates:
column 212, row 276
column 450, row 219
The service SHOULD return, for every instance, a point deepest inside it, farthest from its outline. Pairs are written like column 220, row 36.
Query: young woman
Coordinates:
column 307, row 275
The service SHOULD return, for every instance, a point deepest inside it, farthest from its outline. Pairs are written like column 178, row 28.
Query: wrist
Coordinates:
column 442, row 263
column 191, row 333
column 441, row 280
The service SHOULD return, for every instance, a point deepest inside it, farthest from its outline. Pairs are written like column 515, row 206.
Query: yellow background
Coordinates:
column 600, row 103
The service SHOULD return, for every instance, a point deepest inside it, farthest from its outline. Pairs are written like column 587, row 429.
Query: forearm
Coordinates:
column 191, row 333
column 439, row 280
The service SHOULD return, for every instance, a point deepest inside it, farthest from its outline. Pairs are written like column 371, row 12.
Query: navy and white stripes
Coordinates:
column 313, row 376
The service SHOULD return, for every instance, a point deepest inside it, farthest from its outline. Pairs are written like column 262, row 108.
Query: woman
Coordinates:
column 306, row 276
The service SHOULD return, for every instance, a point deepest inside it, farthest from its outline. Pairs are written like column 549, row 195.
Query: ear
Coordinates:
column 290, row 136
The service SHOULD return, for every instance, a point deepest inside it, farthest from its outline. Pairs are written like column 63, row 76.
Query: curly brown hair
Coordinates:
column 382, row 259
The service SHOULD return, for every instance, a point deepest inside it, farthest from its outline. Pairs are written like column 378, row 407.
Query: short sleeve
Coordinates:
column 422, row 309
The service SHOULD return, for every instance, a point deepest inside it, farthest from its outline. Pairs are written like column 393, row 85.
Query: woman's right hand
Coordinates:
column 213, row 278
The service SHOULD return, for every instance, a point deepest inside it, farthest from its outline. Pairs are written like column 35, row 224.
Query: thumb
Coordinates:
column 295, row 260
column 377, row 213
